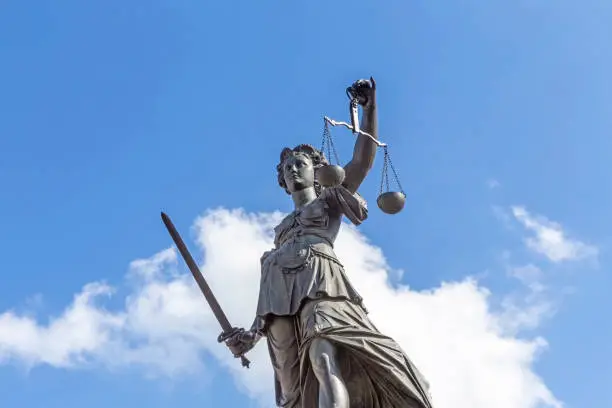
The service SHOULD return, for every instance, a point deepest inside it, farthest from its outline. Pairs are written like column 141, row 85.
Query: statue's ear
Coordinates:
column 285, row 153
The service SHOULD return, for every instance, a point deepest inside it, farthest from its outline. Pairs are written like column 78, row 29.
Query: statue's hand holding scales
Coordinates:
column 361, row 92
column 365, row 92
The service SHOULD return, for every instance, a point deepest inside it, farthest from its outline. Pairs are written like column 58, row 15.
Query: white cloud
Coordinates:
column 468, row 351
column 66, row 341
column 527, row 308
column 550, row 240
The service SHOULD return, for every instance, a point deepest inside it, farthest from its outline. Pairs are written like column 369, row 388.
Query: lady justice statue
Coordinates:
column 324, row 349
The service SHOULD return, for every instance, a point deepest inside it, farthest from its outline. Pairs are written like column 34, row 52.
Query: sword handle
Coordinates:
column 226, row 335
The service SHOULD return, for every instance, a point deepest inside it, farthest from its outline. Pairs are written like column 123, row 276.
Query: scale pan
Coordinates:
column 391, row 202
column 330, row 175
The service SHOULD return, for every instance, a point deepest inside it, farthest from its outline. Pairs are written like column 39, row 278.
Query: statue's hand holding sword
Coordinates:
column 239, row 341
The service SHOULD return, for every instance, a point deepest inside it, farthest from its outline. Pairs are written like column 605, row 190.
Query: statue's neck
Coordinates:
column 303, row 197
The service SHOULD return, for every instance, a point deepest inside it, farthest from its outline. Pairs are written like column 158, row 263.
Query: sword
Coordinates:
column 228, row 330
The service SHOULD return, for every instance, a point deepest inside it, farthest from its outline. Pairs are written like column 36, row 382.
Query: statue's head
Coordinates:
column 297, row 168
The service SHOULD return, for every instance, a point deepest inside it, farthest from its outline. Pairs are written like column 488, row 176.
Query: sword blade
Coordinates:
column 197, row 275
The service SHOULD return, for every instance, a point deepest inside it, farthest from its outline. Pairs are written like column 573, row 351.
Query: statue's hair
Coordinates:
column 315, row 155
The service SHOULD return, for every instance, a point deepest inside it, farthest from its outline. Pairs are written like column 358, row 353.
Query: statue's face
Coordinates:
column 298, row 172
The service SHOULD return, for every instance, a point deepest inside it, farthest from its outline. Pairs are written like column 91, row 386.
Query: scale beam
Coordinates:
column 359, row 131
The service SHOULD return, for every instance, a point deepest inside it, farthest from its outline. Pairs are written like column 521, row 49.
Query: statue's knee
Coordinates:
column 321, row 357
column 321, row 364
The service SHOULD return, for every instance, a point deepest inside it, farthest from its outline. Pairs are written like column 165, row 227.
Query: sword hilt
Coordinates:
column 228, row 334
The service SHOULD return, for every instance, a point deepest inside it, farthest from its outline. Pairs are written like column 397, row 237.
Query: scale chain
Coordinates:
column 327, row 145
column 384, row 177
column 395, row 176
column 384, row 181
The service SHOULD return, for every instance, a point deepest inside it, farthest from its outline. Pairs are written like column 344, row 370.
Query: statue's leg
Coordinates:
column 332, row 389
column 283, row 348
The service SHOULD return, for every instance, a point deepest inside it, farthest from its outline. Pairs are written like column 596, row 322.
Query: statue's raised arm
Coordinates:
column 364, row 152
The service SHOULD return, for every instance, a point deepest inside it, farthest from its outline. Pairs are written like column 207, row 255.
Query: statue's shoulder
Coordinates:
column 341, row 194
column 352, row 205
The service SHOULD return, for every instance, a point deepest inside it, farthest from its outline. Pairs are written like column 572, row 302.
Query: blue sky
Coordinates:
column 112, row 111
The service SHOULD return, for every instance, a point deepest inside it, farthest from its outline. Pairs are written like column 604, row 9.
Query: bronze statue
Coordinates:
column 324, row 349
